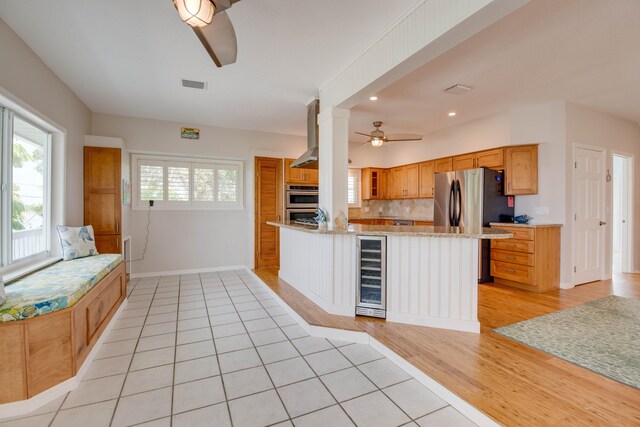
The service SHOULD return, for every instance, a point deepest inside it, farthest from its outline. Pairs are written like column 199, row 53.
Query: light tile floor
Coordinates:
column 215, row 349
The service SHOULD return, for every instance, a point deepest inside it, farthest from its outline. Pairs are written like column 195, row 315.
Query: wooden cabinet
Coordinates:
column 521, row 170
column 520, row 164
column 102, row 196
column 529, row 260
column 299, row 175
column 464, row 161
column 427, row 177
column 492, row 159
column 373, row 184
column 443, row 165
column 405, row 182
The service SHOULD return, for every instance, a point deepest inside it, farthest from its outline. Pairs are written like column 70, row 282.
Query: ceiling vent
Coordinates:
column 457, row 89
column 193, row 84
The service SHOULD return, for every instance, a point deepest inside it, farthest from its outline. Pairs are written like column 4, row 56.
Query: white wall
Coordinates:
column 27, row 80
column 590, row 127
column 184, row 240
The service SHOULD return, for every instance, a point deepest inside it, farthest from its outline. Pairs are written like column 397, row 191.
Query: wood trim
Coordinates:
column 48, row 343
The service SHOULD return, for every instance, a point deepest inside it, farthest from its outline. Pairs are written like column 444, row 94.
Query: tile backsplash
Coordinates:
column 419, row 209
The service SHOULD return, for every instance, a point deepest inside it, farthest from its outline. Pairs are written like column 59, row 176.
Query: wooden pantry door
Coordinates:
column 268, row 207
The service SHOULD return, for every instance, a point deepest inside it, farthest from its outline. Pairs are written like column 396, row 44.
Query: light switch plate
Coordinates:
column 366, row 208
column 541, row 211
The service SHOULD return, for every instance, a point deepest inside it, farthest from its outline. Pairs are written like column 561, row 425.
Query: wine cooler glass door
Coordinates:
column 371, row 272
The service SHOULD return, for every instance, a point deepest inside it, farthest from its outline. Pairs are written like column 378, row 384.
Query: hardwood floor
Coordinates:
column 512, row 383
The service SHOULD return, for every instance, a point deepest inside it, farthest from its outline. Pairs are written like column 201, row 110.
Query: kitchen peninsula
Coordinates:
column 431, row 272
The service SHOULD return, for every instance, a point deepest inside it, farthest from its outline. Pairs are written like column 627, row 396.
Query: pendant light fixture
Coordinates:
column 196, row 13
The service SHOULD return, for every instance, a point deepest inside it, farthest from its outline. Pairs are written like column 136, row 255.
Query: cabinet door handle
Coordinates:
column 509, row 270
column 117, row 227
column 117, row 243
column 510, row 257
column 509, row 186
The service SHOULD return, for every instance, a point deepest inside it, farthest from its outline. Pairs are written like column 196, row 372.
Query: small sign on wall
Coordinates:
column 190, row 133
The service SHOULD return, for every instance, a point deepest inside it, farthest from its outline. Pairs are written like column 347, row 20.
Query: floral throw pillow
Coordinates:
column 77, row 242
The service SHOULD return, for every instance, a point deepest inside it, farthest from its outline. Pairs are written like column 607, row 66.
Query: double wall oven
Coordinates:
column 301, row 202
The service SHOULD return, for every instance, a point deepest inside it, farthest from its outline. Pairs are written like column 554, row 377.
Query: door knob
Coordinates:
column 603, row 223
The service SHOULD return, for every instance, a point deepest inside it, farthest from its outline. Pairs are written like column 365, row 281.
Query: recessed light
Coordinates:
column 452, row 114
column 373, row 98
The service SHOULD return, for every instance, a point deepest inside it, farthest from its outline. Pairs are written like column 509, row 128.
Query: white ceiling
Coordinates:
column 127, row 57
column 586, row 52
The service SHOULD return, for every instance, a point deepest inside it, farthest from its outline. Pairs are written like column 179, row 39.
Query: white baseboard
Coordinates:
column 434, row 322
column 567, row 285
column 191, row 271
column 451, row 398
column 23, row 407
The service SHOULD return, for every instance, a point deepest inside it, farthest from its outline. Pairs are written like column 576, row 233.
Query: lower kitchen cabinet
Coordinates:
column 530, row 260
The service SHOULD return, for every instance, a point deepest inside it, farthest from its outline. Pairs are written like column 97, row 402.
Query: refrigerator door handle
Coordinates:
column 458, row 203
column 452, row 201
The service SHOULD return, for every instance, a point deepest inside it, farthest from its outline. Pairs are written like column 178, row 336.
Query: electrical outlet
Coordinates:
column 541, row 211
column 408, row 209
column 366, row 208
column 380, row 210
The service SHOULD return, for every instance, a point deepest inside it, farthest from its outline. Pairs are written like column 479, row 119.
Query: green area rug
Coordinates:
column 602, row 336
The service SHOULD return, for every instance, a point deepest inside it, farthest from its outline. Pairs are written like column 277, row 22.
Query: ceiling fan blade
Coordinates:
column 400, row 140
column 219, row 39
column 365, row 134
column 362, row 145
column 407, row 136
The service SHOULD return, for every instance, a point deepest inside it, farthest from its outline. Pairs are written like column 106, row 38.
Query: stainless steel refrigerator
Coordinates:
column 472, row 199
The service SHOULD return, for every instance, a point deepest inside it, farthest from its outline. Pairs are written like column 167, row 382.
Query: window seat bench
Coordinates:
column 51, row 320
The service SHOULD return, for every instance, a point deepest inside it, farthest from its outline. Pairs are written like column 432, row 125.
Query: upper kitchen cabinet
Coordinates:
column 491, row 159
column 464, row 161
column 405, row 182
column 521, row 169
column 373, row 184
column 427, row 175
column 443, row 165
column 299, row 175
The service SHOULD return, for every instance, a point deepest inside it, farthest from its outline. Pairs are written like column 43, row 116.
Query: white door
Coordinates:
column 589, row 214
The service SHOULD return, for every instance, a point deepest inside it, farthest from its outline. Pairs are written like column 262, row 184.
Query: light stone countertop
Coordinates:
column 514, row 224
column 400, row 218
column 390, row 230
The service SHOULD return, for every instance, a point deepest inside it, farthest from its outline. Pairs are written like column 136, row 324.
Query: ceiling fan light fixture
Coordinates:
column 377, row 142
column 196, row 13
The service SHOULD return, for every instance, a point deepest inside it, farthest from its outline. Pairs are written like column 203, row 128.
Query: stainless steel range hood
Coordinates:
column 309, row 159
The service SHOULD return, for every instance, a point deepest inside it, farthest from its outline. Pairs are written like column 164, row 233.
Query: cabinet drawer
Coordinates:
column 515, row 272
column 519, row 232
column 99, row 309
column 512, row 256
column 513, row 245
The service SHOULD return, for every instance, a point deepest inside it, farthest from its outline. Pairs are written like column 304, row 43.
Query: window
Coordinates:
column 353, row 188
column 25, row 197
column 185, row 183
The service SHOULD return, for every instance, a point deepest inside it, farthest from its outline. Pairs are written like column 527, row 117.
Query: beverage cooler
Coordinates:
column 372, row 276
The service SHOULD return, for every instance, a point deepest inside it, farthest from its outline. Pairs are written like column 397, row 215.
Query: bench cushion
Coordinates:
column 56, row 287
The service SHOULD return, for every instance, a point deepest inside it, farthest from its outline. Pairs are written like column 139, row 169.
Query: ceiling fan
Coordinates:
column 213, row 27
column 377, row 137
